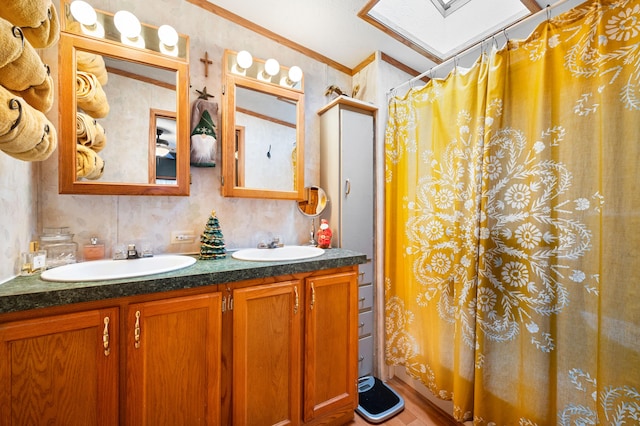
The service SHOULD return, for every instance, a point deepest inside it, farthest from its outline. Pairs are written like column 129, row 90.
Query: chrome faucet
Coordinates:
column 274, row 243
column 132, row 253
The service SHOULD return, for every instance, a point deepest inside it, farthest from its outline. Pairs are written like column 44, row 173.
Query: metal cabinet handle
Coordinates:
column 347, row 187
column 313, row 295
column 297, row 299
column 105, row 337
column 136, row 331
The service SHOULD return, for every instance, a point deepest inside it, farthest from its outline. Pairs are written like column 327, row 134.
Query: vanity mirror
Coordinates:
column 314, row 202
column 145, row 93
column 263, row 129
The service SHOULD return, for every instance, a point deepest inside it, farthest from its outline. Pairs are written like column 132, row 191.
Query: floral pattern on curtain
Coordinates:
column 512, row 246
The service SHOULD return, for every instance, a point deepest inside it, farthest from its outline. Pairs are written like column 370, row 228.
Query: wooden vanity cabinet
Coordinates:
column 173, row 361
column 295, row 351
column 60, row 370
column 279, row 350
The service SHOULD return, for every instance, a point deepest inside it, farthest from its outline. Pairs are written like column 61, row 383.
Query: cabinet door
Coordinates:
column 331, row 344
column 356, row 197
column 266, row 354
column 60, row 370
column 173, row 361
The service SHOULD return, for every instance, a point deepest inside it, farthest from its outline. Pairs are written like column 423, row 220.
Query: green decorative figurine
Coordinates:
column 212, row 240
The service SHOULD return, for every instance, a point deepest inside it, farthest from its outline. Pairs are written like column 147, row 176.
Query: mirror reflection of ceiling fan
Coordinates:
column 162, row 145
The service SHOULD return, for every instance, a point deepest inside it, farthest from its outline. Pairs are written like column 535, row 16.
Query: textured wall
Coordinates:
column 122, row 218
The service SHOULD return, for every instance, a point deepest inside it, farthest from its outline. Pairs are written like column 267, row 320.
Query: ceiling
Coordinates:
column 412, row 34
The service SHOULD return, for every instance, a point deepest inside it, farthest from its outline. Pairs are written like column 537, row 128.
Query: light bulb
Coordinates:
column 244, row 59
column 86, row 15
column 292, row 78
column 83, row 12
column 272, row 67
column 295, row 74
column 168, row 35
column 127, row 23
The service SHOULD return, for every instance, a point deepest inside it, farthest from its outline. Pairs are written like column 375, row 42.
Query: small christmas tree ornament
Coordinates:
column 324, row 234
column 212, row 240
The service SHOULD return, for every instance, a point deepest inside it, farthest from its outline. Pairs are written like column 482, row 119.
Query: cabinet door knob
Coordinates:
column 347, row 187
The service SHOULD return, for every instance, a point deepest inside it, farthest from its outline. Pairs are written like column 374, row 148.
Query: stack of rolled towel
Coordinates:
column 26, row 85
column 91, row 75
column 90, row 140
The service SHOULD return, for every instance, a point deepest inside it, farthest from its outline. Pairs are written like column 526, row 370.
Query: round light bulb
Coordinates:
column 295, row 74
column 272, row 67
column 244, row 59
column 83, row 12
column 127, row 23
column 168, row 35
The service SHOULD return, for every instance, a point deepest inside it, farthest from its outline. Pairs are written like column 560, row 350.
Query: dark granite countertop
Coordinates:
column 24, row 293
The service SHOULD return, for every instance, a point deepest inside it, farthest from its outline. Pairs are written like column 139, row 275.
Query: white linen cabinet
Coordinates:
column 347, row 164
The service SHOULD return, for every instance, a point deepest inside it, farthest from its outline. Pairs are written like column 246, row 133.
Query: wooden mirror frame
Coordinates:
column 68, row 182
column 229, row 131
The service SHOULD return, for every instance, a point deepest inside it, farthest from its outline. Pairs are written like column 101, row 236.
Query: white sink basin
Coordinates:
column 278, row 254
column 99, row 270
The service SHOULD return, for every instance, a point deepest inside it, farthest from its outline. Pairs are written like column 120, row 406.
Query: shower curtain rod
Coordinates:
column 455, row 57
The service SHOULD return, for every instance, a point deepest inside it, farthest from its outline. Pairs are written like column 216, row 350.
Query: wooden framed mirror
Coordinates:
column 141, row 83
column 262, row 135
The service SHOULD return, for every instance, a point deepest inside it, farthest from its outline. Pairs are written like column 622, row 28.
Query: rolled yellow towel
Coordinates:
column 41, row 96
column 92, row 63
column 47, row 33
column 23, row 128
column 25, row 13
column 25, row 70
column 90, row 96
column 89, row 165
column 43, row 149
column 11, row 42
column 89, row 132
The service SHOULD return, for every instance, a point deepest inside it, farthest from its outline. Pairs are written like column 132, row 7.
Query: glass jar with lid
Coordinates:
column 60, row 247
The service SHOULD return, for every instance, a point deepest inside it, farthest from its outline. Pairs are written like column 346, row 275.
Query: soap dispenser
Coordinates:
column 324, row 235
column 94, row 250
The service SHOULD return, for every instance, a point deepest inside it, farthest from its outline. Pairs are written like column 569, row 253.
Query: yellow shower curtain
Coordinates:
column 512, row 253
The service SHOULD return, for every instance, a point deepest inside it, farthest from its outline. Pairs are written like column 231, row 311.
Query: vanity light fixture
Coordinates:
column 86, row 15
column 244, row 60
column 129, row 27
column 293, row 77
column 271, row 68
column 168, row 40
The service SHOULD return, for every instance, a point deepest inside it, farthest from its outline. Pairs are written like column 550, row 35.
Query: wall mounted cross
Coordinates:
column 206, row 61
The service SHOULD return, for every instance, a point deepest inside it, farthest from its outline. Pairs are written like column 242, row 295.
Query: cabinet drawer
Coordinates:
column 365, row 275
column 365, row 323
column 365, row 356
column 365, row 297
